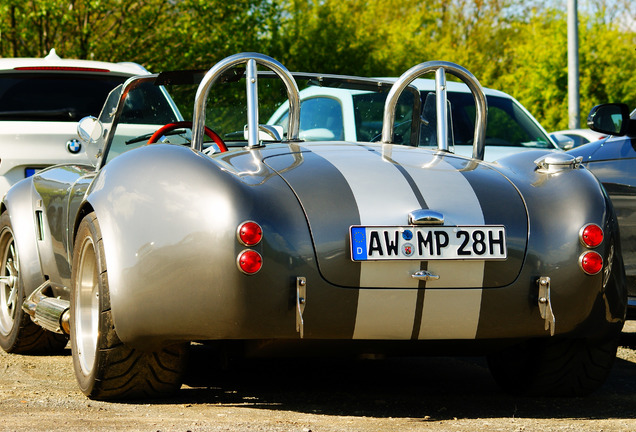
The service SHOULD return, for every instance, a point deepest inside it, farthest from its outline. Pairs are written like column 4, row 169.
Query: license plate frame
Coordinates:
column 423, row 243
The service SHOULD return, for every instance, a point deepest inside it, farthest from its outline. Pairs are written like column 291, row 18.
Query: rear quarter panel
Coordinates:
column 559, row 205
column 169, row 217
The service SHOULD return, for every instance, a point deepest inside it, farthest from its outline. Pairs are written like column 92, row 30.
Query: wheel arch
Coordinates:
column 201, row 203
column 85, row 208
column 134, row 238
column 19, row 202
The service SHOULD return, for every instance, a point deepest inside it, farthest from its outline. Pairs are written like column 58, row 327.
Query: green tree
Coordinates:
column 202, row 32
column 105, row 30
column 536, row 67
column 607, row 64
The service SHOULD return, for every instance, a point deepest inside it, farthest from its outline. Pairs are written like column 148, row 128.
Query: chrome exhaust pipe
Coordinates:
column 50, row 313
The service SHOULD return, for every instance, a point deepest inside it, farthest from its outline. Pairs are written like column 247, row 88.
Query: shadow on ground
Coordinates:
column 426, row 388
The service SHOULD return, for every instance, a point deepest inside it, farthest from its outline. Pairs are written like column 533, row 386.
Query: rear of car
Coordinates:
column 290, row 246
column 41, row 101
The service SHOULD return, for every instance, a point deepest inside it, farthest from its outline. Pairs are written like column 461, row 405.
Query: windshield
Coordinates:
column 332, row 108
column 144, row 109
column 170, row 97
column 354, row 115
column 341, row 113
column 53, row 97
column 508, row 124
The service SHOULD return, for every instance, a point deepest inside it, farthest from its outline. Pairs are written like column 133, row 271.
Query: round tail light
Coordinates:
column 249, row 233
column 591, row 262
column 591, row 235
column 249, row 262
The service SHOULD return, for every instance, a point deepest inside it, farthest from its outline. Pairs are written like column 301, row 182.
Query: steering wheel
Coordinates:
column 187, row 124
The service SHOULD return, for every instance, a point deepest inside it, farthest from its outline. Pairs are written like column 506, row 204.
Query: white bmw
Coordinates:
column 350, row 115
column 41, row 101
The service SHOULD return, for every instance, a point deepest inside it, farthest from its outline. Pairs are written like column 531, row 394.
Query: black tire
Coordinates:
column 105, row 367
column 18, row 333
column 558, row 366
column 554, row 366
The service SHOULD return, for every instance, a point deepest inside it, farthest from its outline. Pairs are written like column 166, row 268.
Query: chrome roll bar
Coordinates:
column 440, row 68
column 251, row 60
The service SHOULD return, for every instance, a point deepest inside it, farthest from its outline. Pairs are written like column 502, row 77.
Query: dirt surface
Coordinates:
column 38, row 393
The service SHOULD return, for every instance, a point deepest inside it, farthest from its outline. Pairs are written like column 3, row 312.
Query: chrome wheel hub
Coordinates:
column 8, row 282
column 86, row 319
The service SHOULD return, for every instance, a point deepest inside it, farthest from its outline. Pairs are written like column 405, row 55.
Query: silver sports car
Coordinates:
column 255, row 237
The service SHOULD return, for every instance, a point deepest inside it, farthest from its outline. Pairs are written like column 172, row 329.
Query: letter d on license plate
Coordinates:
column 428, row 243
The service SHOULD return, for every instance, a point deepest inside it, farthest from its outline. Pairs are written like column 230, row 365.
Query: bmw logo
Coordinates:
column 73, row 146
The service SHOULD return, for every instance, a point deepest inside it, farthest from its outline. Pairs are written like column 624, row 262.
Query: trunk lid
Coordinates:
column 376, row 185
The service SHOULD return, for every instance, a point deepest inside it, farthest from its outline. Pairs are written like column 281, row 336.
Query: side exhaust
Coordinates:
column 50, row 313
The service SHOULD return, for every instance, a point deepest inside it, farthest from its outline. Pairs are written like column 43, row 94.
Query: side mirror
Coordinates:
column 611, row 119
column 90, row 130
column 563, row 141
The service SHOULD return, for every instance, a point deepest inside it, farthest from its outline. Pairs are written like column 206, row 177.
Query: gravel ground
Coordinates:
column 38, row 393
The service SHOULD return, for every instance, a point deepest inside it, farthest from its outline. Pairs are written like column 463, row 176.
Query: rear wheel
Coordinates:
column 558, row 366
column 554, row 367
column 105, row 367
column 18, row 333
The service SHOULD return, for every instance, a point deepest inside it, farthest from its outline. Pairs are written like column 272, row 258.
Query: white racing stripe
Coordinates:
column 449, row 313
column 371, row 190
column 390, row 313
column 453, row 196
column 381, row 313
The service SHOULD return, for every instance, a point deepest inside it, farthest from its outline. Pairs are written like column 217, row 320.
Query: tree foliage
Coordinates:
column 516, row 46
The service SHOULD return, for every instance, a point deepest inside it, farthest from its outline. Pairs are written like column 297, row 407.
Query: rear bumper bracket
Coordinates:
column 545, row 305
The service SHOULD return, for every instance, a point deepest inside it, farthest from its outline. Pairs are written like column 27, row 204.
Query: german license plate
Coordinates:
column 372, row 243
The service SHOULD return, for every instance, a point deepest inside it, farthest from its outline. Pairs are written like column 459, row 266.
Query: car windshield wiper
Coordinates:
column 60, row 114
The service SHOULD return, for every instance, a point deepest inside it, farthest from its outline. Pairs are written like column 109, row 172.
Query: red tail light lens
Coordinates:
column 249, row 233
column 591, row 235
column 249, row 262
column 591, row 262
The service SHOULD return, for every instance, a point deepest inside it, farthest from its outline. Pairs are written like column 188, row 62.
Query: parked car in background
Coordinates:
column 41, row 101
column 285, row 246
column 344, row 114
column 613, row 162
column 570, row 138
